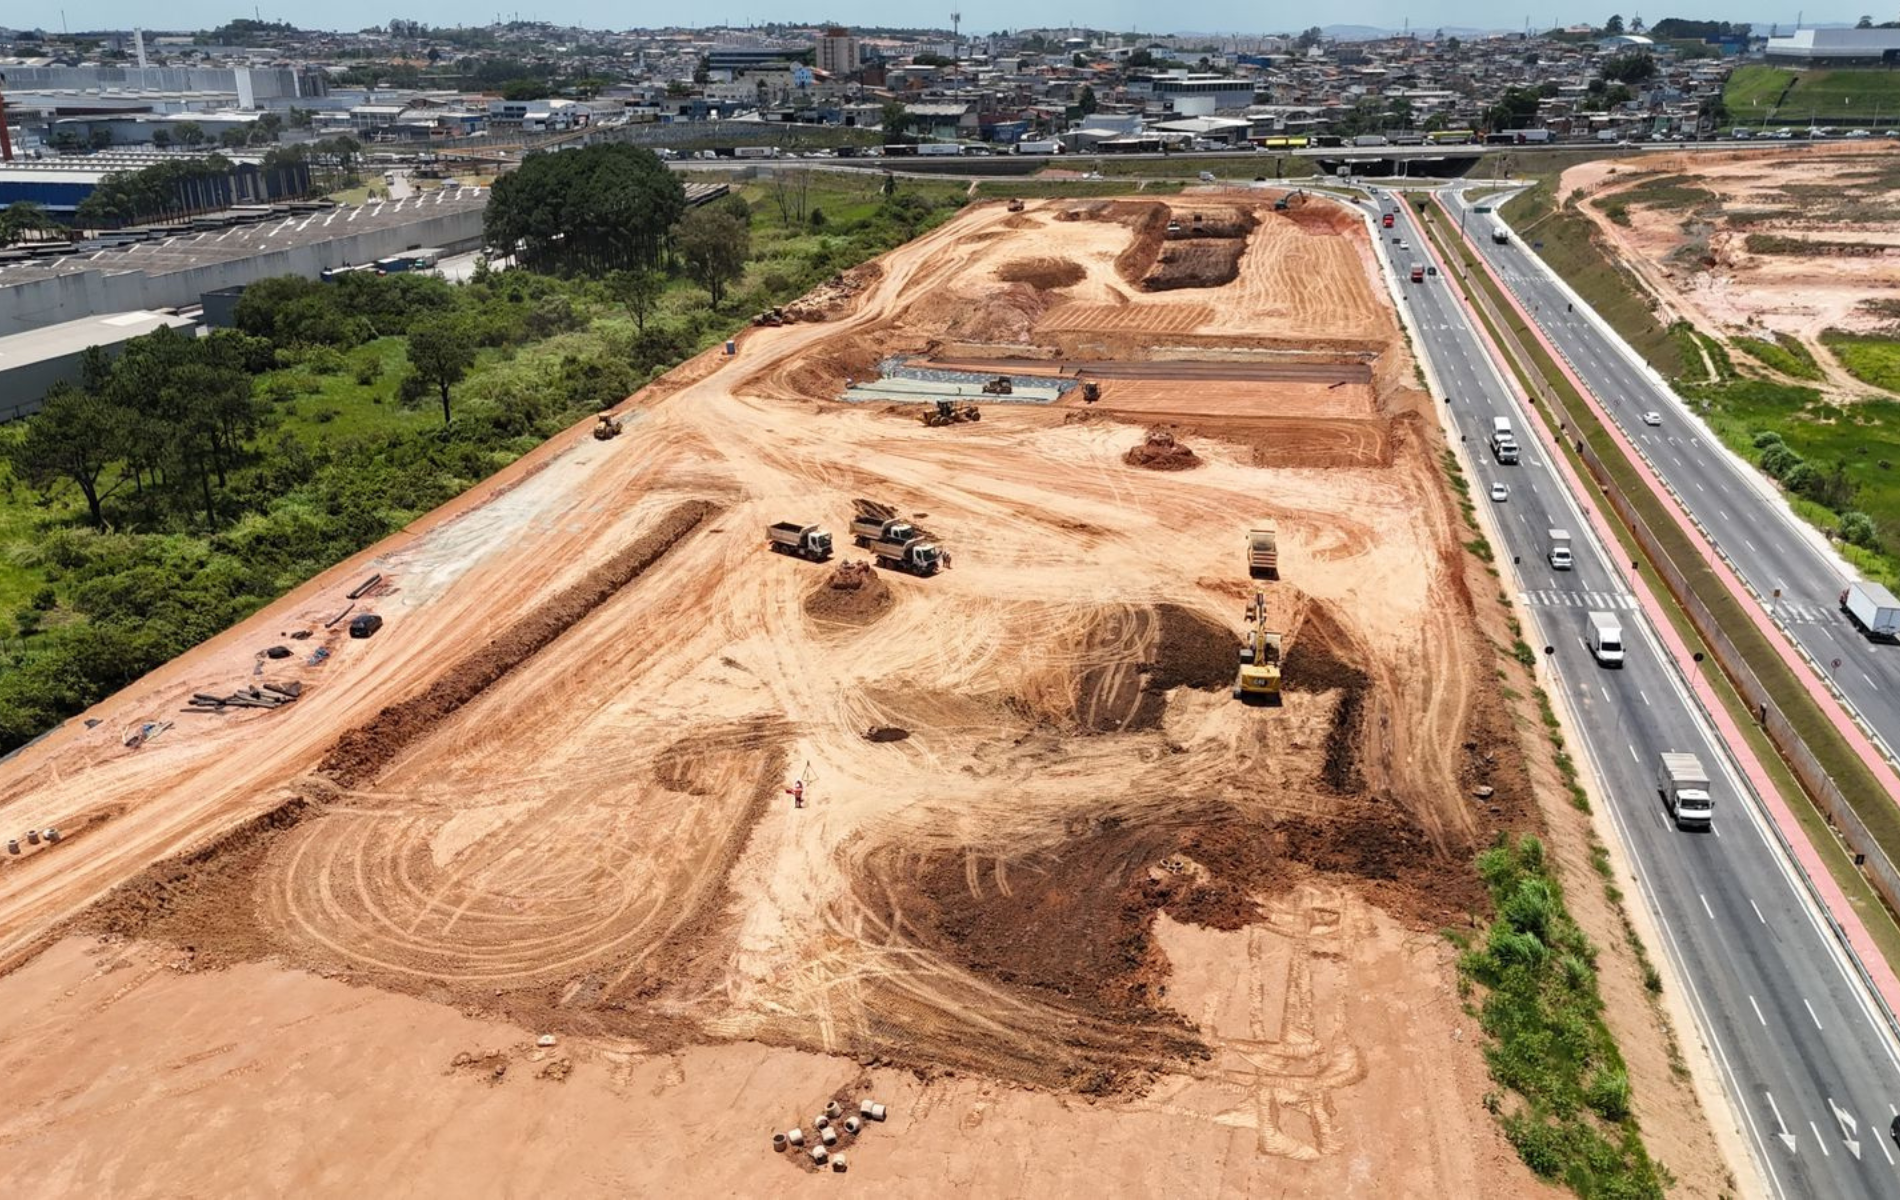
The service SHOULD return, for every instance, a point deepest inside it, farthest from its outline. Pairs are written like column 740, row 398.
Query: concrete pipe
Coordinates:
column 837, row 1163
column 778, row 1143
column 828, row 1136
column 877, row 1112
column 852, row 1125
column 52, row 835
column 32, row 837
column 796, row 1137
column 821, row 1120
column 832, row 1110
column 864, row 1108
column 13, row 845
column 819, row 1154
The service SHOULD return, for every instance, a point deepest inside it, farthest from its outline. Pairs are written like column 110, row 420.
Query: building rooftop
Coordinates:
column 71, row 337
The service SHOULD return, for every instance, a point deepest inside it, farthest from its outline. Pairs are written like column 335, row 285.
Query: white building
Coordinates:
column 1836, row 48
column 838, row 52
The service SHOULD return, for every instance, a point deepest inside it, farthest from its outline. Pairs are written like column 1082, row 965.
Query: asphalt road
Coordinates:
column 1809, row 1067
column 1763, row 541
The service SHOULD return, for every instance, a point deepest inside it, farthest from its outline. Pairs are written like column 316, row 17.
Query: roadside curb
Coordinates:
column 1833, row 901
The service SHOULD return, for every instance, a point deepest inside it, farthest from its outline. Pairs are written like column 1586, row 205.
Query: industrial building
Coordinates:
column 59, row 184
column 31, row 363
column 1836, row 48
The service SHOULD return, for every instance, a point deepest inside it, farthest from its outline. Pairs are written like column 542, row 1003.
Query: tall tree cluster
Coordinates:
column 589, row 211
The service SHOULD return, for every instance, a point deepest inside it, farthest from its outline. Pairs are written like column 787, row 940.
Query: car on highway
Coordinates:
column 1652, row 417
column 1500, row 492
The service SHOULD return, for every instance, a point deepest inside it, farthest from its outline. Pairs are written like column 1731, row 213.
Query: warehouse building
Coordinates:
column 31, row 363
column 1836, row 48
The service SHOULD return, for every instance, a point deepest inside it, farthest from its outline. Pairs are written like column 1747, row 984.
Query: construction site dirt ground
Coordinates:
column 1693, row 253
column 1084, row 922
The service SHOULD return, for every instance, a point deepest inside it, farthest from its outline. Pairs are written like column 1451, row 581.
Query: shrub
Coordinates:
column 1858, row 528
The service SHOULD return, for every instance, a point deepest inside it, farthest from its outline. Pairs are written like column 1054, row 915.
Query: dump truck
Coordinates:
column 1685, row 789
column 809, row 542
column 1606, row 639
column 1418, row 273
column 1386, row 221
column 1504, row 448
column 1263, row 552
column 865, row 530
column 1873, row 608
column 1559, row 553
column 1258, row 677
column 913, row 554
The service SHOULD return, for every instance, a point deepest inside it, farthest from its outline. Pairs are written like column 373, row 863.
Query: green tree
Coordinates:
column 23, row 217
column 588, row 211
column 440, row 354
column 1864, row 23
column 74, row 438
column 1086, row 101
column 189, row 133
column 1613, row 26
column 714, row 245
column 639, row 292
column 162, row 138
column 234, row 137
column 1139, row 60
column 1635, row 66
column 896, row 119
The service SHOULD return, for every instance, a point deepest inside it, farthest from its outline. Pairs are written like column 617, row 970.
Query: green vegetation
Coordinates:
column 1776, row 95
column 596, row 209
column 1871, row 359
column 1669, row 192
column 1785, row 354
column 191, row 481
column 1568, row 1109
column 1564, row 238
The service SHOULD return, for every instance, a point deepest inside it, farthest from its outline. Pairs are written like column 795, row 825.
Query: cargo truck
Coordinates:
column 1263, row 552
column 1418, row 274
column 865, row 530
column 1873, row 608
column 1685, row 789
column 1049, row 146
column 938, row 148
column 1500, row 238
column 1559, row 552
column 915, row 556
column 1386, row 221
column 808, row 542
column 1606, row 639
column 755, row 152
column 1504, row 442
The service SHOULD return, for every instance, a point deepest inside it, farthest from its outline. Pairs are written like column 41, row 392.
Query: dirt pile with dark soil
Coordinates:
column 361, row 753
column 1323, row 657
column 1193, row 651
column 853, row 594
column 1132, row 657
column 1160, row 451
column 1202, row 263
column 1044, row 273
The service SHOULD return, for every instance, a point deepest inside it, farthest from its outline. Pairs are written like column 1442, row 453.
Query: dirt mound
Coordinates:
column 1201, row 263
column 202, row 900
column 1341, row 772
column 834, row 295
column 1161, row 452
column 361, row 753
column 1045, row 273
column 1193, row 651
column 854, row 594
column 1323, row 657
column 886, row 733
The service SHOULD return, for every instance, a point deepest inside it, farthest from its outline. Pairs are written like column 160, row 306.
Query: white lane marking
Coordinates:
column 1705, row 905
column 1748, row 543
column 1850, row 1127
column 1820, row 1139
column 1811, row 1016
column 1870, row 681
column 1758, row 916
column 1786, row 1137
column 1758, row 1016
column 1639, row 692
column 1633, row 755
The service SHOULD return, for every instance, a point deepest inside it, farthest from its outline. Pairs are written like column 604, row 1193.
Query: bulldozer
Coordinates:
column 771, row 316
column 1015, row 206
column 1258, row 677
column 607, row 427
column 949, row 412
column 1091, row 391
column 999, row 386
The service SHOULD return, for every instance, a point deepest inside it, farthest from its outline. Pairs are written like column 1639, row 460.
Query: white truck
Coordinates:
column 809, row 542
column 930, row 149
column 1503, row 441
column 1046, row 146
column 755, row 152
column 1606, row 639
column 1874, row 609
column 1559, row 552
column 1685, row 789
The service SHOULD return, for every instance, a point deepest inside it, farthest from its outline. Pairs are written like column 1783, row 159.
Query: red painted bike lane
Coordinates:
column 1840, row 909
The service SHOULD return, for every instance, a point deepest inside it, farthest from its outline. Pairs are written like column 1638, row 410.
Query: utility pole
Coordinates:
column 956, row 49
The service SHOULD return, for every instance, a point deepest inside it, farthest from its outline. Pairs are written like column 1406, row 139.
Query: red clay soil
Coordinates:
column 1045, row 273
column 1161, row 452
column 361, row 753
column 854, row 594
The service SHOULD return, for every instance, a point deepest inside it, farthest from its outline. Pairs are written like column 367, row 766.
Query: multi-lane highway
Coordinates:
column 1812, row 1072
column 1764, row 542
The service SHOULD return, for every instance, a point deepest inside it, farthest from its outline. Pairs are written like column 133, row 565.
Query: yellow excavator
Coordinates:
column 1259, row 675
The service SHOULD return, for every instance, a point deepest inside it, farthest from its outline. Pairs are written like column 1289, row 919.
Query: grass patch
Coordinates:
column 1568, row 1109
column 1775, row 243
column 1785, row 354
column 1756, row 94
column 1870, row 358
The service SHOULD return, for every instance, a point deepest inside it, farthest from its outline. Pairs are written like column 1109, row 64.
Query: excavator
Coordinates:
column 1259, row 675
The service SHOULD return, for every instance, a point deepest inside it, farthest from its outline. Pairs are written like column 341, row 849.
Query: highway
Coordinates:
column 1810, row 1069
column 1765, row 543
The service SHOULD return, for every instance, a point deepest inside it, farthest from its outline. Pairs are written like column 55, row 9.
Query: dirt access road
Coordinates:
column 1049, row 878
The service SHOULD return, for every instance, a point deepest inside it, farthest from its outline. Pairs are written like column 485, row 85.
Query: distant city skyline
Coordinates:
column 1218, row 17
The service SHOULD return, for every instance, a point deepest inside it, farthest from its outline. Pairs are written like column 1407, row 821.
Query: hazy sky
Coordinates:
column 978, row 15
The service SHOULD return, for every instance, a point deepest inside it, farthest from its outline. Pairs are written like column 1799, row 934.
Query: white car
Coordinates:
column 1652, row 418
column 1499, row 492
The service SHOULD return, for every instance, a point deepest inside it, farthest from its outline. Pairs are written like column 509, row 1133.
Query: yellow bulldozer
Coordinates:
column 1015, row 206
column 1258, row 677
column 607, row 427
column 1002, row 385
column 950, row 412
